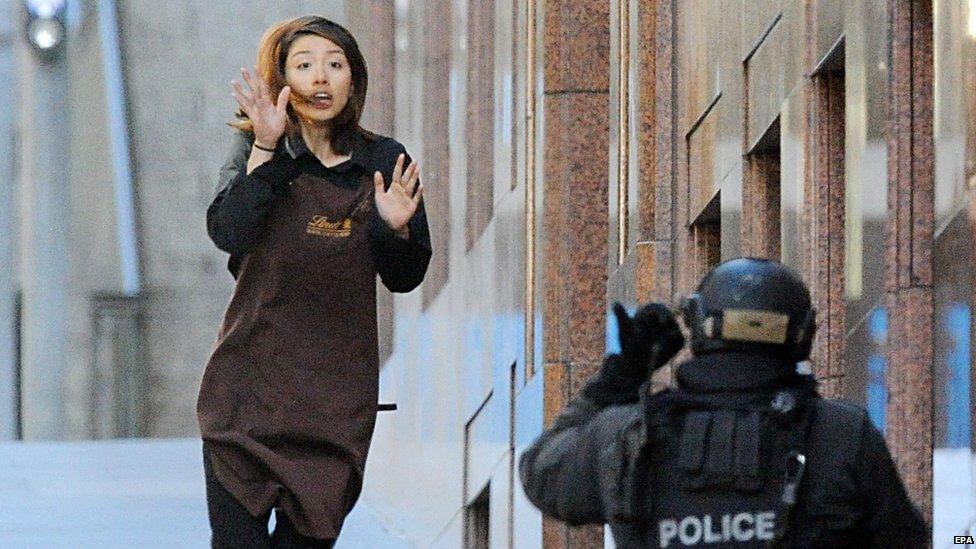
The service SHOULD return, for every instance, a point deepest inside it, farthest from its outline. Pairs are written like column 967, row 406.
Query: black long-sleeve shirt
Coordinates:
column 238, row 213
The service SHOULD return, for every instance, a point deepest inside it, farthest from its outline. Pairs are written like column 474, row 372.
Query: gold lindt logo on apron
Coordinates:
column 321, row 226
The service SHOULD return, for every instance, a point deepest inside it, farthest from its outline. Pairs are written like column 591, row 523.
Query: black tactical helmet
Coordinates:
column 751, row 304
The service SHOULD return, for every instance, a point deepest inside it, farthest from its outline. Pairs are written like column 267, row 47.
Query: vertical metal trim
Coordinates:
column 530, row 218
column 623, row 127
column 512, row 393
column 9, row 285
column 19, row 365
column 513, row 118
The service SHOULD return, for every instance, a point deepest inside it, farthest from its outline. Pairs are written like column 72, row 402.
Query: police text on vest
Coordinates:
column 694, row 530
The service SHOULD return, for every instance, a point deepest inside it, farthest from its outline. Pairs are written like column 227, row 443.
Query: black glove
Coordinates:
column 647, row 341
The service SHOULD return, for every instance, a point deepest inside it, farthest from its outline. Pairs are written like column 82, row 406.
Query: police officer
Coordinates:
column 743, row 452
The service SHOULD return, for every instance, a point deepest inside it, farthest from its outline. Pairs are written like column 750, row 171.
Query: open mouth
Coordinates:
column 321, row 100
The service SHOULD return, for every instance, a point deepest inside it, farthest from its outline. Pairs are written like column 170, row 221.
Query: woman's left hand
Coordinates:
column 397, row 204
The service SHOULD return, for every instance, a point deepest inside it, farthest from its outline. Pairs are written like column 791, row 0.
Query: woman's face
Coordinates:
column 320, row 78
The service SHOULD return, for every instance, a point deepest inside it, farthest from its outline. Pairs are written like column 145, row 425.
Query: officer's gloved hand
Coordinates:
column 647, row 341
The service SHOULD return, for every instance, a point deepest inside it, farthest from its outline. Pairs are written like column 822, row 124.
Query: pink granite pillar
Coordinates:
column 909, row 246
column 575, row 148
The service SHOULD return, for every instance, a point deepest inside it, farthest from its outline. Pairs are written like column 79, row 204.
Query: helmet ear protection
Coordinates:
column 803, row 335
column 692, row 314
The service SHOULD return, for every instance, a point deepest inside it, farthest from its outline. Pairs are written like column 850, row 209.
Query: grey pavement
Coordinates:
column 122, row 493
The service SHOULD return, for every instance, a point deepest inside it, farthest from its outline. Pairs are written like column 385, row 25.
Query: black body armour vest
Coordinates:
column 719, row 469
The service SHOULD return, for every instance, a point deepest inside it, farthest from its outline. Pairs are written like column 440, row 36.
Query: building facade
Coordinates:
column 631, row 145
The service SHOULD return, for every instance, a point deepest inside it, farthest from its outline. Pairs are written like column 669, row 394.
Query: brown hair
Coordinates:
column 272, row 54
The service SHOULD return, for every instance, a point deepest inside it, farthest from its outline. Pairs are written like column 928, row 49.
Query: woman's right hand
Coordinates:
column 268, row 118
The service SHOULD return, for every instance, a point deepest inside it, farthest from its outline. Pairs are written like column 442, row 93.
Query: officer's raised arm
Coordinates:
column 559, row 472
column 565, row 472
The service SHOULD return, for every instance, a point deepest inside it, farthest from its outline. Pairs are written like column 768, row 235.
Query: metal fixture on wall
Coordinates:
column 46, row 27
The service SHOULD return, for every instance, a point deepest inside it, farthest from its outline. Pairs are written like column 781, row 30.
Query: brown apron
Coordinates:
column 288, row 400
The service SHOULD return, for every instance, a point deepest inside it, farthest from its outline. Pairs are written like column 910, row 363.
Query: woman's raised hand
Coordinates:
column 397, row 204
column 269, row 117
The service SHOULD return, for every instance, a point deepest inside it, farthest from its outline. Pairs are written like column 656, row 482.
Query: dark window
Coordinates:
column 706, row 234
column 761, row 197
column 477, row 521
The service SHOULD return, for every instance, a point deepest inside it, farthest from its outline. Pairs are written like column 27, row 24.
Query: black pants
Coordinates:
column 233, row 526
